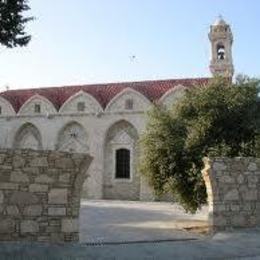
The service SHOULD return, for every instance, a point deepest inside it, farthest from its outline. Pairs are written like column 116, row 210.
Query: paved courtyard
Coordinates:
column 115, row 230
column 124, row 221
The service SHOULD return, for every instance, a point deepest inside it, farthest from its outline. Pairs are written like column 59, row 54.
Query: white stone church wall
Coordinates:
column 95, row 123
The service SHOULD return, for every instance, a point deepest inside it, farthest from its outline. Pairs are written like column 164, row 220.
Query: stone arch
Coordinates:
column 28, row 136
column 6, row 109
column 221, row 51
column 121, row 135
column 117, row 103
column 46, row 106
column 72, row 138
column 90, row 102
column 172, row 95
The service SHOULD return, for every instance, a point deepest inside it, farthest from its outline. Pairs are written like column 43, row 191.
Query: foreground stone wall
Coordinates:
column 233, row 187
column 40, row 194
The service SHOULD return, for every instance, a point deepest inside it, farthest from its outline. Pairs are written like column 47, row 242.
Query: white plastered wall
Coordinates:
column 95, row 122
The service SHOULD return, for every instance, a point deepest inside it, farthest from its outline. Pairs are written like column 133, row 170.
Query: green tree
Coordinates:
column 220, row 119
column 12, row 23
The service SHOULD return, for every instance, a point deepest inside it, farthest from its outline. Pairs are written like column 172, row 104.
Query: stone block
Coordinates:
column 33, row 210
column 6, row 167
column 57, row 211
column 246, row 206
column 38, row 188
column 7, row 225
column 53, row 172
column 29, row 226
column 12, row 210
column 43, row 238
column 219, row 208
column 43, row 178
column 240, row 179
column 231, row 195
column 56, row 237
column 1, row 197
column 220, row 220
column 65, row 178
column 8, row 186
column 18, row 162
column 19, row 177
column 55, row 222
column 238, row 221
column 53, row 229
column 70, row 225
column 2, row 158
column 252, row 220
column 235, row 207
column 258, row 217
column 252, row 166
column 226, row 179
column 39, row 162
column 64, row 163
column 252, row 180
column 219, row 166
column 31, row 170
column 236, row 166
column 58, row 196
column 250, row 195
column 22, row 198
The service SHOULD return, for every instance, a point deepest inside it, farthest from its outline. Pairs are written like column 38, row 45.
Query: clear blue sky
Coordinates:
column 91, row 41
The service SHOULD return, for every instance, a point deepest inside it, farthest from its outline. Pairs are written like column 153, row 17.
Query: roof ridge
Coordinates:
column 103, row 93
column 108, row 84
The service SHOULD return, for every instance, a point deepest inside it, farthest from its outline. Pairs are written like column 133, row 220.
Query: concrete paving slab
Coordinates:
column 117, row 221
column 124, row 230
column 243, row 244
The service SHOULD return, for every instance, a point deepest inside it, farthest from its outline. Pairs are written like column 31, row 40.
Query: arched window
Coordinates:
column 73, row 138
column 122, row 164
column 221, row 52
column 28, row 137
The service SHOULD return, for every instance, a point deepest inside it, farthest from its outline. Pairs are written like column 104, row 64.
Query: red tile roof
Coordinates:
column 103, row 93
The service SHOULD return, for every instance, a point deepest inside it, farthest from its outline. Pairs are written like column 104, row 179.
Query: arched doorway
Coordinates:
column 121, row 179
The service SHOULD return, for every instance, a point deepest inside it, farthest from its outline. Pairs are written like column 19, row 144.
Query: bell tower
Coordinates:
column 221, row 39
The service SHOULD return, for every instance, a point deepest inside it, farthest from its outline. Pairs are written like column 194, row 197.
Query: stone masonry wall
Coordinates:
column 40, row 194
column 233, row 187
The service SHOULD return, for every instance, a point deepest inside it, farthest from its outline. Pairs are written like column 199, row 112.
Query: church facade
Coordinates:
column 103, row 120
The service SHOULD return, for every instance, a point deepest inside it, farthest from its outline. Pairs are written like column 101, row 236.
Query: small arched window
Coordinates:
column 221, row 52
column 122, row 164
column 37, row 108
column 129, row 104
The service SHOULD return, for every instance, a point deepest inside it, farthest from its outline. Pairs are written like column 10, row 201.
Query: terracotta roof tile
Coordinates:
column 103, row 93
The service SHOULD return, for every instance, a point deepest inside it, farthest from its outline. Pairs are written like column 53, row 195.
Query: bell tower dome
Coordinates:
column 221, row 39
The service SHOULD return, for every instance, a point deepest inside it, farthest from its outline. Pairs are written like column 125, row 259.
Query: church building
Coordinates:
column 104, row 120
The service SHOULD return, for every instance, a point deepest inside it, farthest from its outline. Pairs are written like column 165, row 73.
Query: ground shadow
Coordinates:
column 120, row 221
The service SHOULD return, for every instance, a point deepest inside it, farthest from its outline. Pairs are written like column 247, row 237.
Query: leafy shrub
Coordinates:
column 220, row 119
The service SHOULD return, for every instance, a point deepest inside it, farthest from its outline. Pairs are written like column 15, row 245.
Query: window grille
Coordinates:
column 81, row 106
column 37, row 108
column 122, row 164
column 129, row 104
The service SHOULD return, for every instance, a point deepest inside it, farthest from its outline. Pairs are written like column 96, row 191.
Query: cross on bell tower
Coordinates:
column 221, row 39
